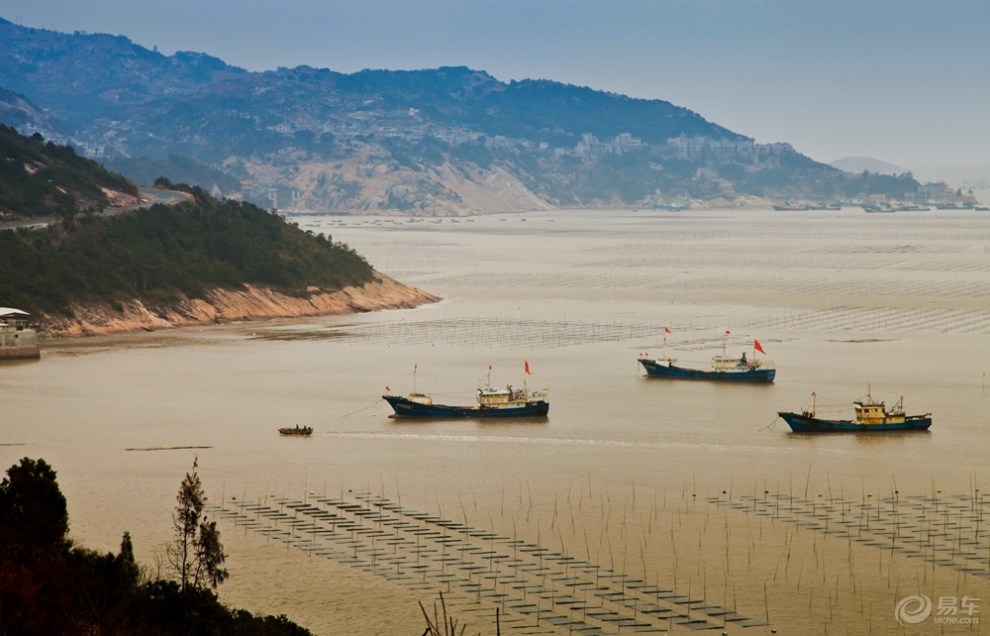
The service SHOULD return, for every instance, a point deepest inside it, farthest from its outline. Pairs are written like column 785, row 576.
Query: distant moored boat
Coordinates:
column 301, row 431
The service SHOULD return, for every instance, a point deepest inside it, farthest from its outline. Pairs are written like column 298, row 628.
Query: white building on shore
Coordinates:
column 17, row 340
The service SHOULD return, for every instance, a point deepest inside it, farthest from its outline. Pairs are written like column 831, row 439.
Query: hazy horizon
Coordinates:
column 891, row 80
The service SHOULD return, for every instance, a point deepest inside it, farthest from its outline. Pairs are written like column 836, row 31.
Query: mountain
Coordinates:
column 81, row 76
column 866, row 164
column 451, row 140
column 178, row 168
column 20, row 112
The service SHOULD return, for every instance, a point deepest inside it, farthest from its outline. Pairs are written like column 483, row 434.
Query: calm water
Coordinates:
column 655, row 502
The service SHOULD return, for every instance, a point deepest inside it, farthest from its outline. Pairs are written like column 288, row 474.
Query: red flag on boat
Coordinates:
column 758, row 346
column 387, row 388
column 526, row 367
column 727, row 332
column 666, row 329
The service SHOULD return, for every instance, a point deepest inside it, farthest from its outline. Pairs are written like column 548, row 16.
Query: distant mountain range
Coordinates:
column 442, row 141
column 861, row 164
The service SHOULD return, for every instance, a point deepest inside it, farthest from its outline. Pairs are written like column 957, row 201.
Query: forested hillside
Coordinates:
column 46, row 179
column 162, row 251
column 155, row 254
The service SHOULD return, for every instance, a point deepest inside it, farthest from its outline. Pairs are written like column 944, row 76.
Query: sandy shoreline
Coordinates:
column 226, row 305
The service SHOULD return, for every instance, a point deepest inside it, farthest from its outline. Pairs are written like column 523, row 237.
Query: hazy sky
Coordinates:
column 903, row 81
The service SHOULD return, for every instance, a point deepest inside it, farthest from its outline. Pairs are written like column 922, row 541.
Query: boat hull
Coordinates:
column 296, row 432
column 802, row 423
column 657, row 370
column 405, row 407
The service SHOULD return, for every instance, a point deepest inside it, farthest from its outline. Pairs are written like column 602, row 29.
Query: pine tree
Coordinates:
column 195, row 554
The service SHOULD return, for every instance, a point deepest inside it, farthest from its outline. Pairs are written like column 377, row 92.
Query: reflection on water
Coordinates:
column 638, row 504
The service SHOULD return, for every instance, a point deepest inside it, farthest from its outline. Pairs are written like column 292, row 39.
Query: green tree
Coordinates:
column 49, row 585
column 130, row 573
column 195, row 555
column 209, row 556
column 33, row 526
column 33, row 513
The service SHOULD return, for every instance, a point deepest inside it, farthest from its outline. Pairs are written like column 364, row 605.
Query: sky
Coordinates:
column 902, row 81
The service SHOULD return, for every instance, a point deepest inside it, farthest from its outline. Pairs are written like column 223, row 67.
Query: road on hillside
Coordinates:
column 147, row 197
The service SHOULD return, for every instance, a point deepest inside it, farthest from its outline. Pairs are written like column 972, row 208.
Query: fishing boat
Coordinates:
column 724, row 368
column 791, row 207
column 491, row 402
column 955, row 205
column 300, row 431
column 879, row 206
column 871, row 416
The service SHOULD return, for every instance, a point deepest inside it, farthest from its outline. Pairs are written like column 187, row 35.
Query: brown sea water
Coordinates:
column 638, row 506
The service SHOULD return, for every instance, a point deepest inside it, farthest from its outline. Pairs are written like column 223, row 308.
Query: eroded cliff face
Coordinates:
column 369, row 183
column 226, row 305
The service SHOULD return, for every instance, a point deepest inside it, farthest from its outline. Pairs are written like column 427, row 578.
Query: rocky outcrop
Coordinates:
column 117, row 199
column 229, row 305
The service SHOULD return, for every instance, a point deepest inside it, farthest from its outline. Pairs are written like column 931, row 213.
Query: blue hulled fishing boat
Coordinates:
column 741, row 369
column 871, row 416
column 492, row 402
column 724, row 368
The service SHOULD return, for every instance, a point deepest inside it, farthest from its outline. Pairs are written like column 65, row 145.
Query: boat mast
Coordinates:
column 414, row 377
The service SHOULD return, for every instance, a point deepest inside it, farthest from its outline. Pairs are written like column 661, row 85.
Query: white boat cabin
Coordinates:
column 490, row 397
column 738, row 363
